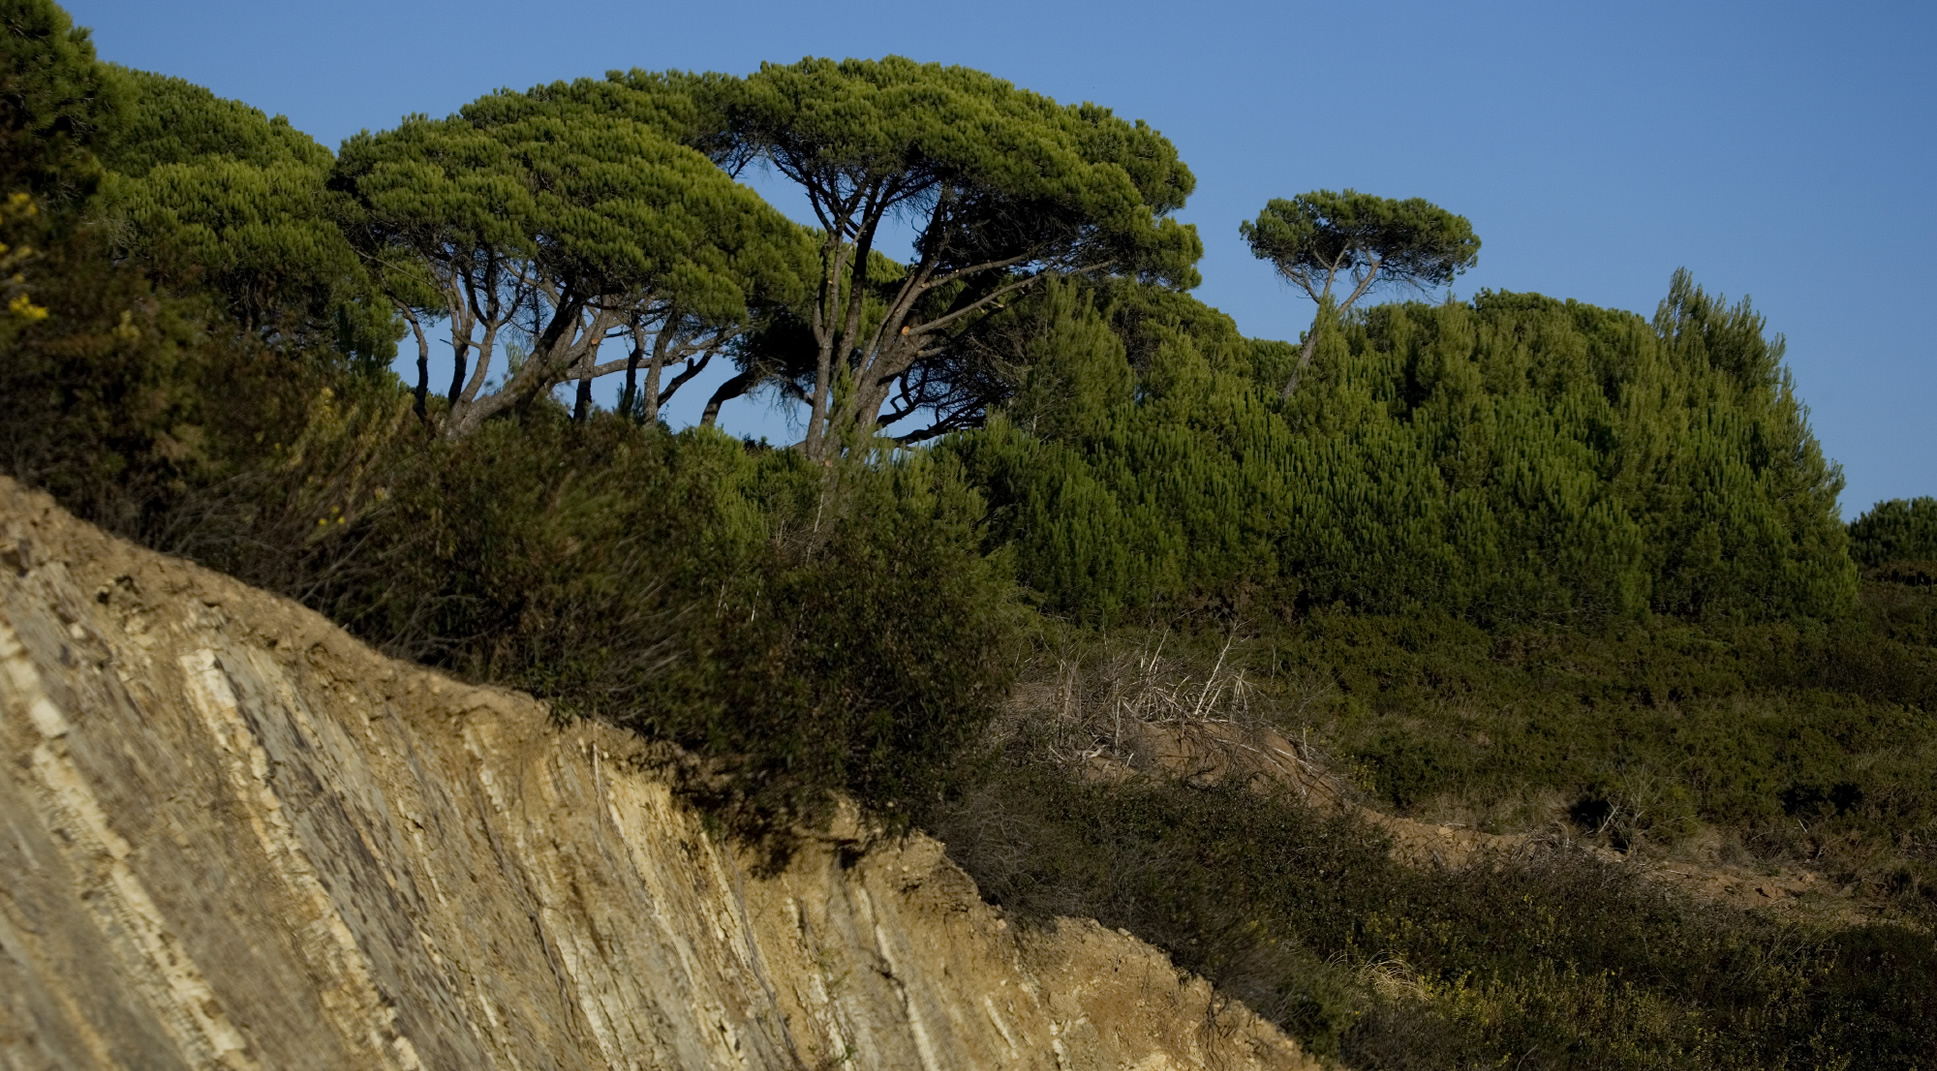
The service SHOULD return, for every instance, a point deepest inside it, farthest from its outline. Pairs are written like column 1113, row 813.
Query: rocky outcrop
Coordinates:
column 233, row 837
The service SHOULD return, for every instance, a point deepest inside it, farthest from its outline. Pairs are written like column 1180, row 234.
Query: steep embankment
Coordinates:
column 235, row 837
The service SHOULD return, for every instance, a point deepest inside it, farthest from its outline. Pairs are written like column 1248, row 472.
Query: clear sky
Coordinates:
column 1780, row 150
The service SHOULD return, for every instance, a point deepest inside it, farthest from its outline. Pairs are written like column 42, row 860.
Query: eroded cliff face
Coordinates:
column 231, row 836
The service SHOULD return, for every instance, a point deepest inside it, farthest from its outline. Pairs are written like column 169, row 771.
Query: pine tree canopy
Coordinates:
column 1005, row 187
column 56, row 103
column 171, row 121
column 1509, row 458
column 1318, row 238
column 543, row 223
column 211, row 192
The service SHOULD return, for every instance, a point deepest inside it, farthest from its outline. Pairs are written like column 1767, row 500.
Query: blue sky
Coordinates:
column 1784, row 151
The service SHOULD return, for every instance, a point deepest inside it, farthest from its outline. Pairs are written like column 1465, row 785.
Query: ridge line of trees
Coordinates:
column 1506, row 458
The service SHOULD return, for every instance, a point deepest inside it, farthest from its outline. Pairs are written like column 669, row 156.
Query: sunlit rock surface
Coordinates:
column 233, row 837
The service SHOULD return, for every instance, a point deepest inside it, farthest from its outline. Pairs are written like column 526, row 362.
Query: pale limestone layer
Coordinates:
column 233, row 837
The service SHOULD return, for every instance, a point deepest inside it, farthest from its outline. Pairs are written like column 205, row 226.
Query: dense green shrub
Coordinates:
column 1512, row 459
column 810, row 628
column 806, row 628
column 1899, row 530
column 126, row 392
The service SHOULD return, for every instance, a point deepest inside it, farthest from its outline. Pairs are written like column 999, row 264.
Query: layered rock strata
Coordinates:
column 233, row 837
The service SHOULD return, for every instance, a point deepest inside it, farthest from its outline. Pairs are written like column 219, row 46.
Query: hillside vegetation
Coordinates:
column 1517, row 564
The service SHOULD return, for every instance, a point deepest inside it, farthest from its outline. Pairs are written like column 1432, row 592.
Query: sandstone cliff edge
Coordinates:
column 235, row 837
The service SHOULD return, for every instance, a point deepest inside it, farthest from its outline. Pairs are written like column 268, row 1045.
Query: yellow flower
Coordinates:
column 25, row 309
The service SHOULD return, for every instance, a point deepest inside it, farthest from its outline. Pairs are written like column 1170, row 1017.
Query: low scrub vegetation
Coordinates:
column 1550, row 954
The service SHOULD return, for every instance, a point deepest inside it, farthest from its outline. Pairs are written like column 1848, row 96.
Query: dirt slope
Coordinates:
column 1260, row 756
column 232, row 837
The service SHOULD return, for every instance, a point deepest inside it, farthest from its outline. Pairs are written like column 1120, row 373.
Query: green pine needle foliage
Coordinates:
column 211, row 193
column 56, row 101
column 1899, row 530
column 1513, row 458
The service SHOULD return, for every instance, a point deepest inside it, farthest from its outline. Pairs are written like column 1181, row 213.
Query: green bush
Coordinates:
column 1899, row 530
column 806, row 629
column 1513, row 459
column 125, row 393
column 809, row 628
